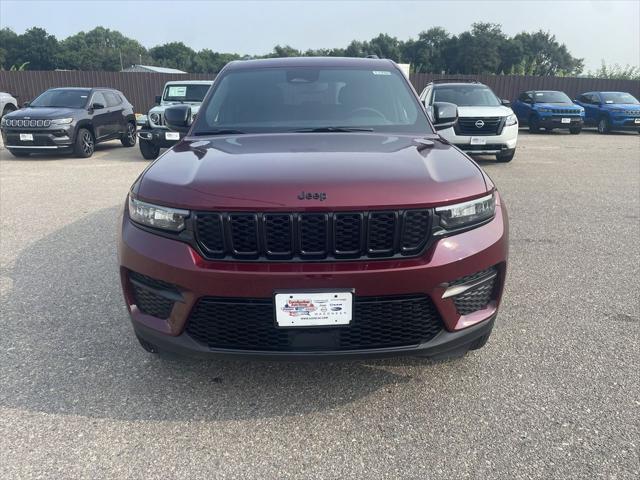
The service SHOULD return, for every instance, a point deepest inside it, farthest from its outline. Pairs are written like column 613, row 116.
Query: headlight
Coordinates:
column 61, row 121
column 3, row 122
column 467, row 213
column 511, row 120
column 157, row 216
column 155, row 118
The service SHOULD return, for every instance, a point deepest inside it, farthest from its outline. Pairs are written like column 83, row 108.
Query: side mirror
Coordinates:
column 178, row 118
column 158, row 99
column 445, row 115
column 25, row 104
column 506, row 102
column 97, row 106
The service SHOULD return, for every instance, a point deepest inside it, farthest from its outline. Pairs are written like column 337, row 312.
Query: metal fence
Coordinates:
column 141, row 88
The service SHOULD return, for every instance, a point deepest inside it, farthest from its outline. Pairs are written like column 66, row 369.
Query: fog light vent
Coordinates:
column 473, row 292
column 153, row 297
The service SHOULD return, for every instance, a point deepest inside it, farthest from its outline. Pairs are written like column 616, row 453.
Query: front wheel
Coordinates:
column 129, row 137
column 505, row 157
column 85, row 143
column 575, row 130
column 603, row 125
column 148, row 150
column 534, row 124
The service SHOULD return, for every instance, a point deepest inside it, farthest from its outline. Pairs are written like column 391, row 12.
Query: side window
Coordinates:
column 595, row 98
column 584, row 99
column 98, row 97
column 524, row 96
column 112, row 99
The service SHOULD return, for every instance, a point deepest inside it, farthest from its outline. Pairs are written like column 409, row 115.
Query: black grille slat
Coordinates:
column 347, row 234
column 379, row 322
column 278, row 234
column 312, row 236
column 244, row 234
column 478, row 297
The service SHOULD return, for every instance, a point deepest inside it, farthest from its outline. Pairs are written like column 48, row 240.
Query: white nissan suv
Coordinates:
column 486, row 125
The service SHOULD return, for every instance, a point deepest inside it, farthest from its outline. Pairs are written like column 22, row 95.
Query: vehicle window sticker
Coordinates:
column 177, row 91
column 381, row 72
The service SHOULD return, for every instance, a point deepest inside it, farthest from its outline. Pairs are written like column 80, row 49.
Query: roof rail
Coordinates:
column 454, row 80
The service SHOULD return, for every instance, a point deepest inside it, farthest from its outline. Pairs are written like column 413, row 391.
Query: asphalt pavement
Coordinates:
column 554, row 394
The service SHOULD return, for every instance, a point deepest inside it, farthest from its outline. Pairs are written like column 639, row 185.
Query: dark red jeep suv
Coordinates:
column 312, row 211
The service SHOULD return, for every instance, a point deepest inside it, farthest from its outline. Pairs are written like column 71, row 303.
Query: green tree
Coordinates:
column 35, row 48
column 208, row 61
column 616, row 71
column 542, row 54
column 100, row 49
column 426, row 53
column 173, row 55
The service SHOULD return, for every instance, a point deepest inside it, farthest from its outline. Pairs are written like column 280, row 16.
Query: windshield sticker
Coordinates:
column 177, row 91
column 381, row 72
column 608, row 101
column 539, row 94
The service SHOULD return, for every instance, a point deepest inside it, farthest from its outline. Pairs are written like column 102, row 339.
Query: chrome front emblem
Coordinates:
column 479, row 124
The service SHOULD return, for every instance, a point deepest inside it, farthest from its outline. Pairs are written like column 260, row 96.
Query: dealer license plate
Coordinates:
column 26, row 137
column 566, row 120
column 478, row 141
column 311, row 309
column 172, row 136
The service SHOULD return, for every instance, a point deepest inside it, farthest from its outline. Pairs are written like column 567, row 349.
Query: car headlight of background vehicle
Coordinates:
column 61, row 121
column 157, row 216
column 155, row 118
column 467, row 213
column 511, row 120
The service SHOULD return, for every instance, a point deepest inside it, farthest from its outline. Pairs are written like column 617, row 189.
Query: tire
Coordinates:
column 18, row 153
column 129, row 137
column 506, row 157
column 575, row 130
column 85, row 143
column 148, row 150
column 534, row 124
column 604, row 126
column 480, row 342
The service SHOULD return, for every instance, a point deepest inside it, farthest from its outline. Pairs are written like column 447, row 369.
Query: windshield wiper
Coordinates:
column 221, row 131
column 333, row 129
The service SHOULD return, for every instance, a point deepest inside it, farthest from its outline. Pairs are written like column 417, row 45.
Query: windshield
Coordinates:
column 618, row 97
column 551, row 97
column 62, row 98
column 302, row 98
column 466, row 95
column 185, row 93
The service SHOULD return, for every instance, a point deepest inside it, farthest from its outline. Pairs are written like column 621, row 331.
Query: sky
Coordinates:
column 593, row 30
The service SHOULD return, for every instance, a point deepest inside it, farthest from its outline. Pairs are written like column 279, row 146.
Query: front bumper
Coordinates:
column 55, row 139
column 555, row 121
column 625, row 123
column 447, row 260
column 491, row 144
column 158, row 136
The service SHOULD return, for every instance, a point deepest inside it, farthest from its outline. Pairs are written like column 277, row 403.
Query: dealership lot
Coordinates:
column 554, row 394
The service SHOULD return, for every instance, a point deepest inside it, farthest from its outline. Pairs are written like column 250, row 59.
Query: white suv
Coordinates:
column 486, row 125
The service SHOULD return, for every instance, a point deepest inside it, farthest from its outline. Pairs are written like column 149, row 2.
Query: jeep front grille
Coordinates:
column 312, row 236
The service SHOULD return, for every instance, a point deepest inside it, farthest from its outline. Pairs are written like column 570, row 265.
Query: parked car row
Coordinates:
column 76, row 119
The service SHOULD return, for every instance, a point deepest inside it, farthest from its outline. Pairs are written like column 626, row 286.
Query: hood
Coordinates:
column 563, row 106
column 43, row 113
column 622, row 106
column 497, row 111
column 269, row 172
column 161, row 108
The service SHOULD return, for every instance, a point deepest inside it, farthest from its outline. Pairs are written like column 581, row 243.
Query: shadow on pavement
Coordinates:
column 67, row 348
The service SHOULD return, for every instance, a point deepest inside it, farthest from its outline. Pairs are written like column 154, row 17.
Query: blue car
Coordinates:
column 611, row 110
column 548, row 109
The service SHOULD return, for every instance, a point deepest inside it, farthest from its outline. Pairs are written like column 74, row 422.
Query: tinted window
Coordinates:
column 584, row 99
column 185, row 93
column 524, row 96
column 289, row 99
column 112, row 99
column 466, row 95
column 551, row 97
column 618, row 97
column 60, row 97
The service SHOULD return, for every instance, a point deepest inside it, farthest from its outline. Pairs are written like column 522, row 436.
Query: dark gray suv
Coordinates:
column 69, row 120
